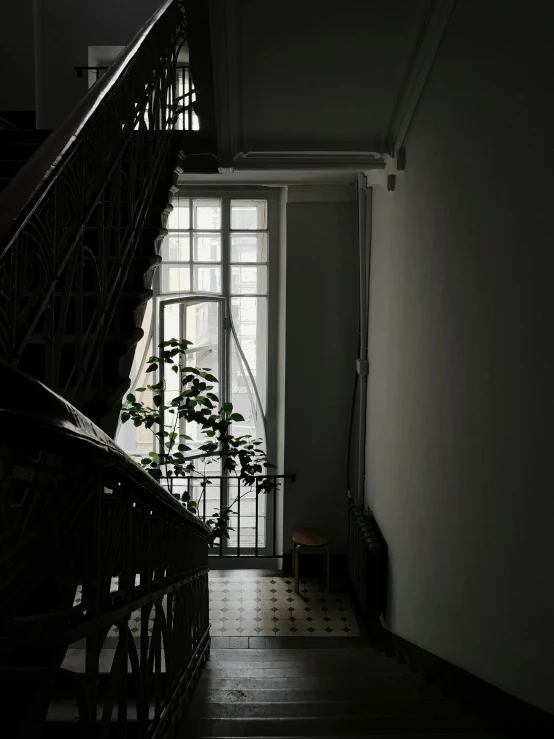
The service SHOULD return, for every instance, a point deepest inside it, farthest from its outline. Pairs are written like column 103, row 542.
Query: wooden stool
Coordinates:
column 309, row 538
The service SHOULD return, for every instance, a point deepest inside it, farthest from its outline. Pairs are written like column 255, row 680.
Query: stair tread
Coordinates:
column 235, row 655
column 291, row 695
column 234, row 707
column 426, row 735
column 307, row 682
column 334, row 725
column 338, row 671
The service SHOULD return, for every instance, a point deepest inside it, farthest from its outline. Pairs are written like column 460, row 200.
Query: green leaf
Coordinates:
column 140, row 389
column 237, row 417
column 131, row 398
column 151, row 368
column 155, row 456
column 227, row 407
column 157, row 400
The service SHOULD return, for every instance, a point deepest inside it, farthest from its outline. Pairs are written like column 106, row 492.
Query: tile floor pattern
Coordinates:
column 242, row 605
column 268, row 606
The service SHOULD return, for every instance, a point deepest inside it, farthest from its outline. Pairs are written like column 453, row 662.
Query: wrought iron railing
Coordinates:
column 74, row 218
column 87, row 541
column 253, row 515
column 187, row 120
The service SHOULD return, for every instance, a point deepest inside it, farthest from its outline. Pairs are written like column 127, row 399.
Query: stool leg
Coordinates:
column 293, row 557
column 297, row 570
column 328, row 558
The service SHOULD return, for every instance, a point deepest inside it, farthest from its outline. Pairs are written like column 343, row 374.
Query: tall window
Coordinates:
column 214, row 289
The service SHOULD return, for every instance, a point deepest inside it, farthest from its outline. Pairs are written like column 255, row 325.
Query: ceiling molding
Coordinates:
column 432, row 30
column 309, row 160
column 322, row 193
column 223, row 32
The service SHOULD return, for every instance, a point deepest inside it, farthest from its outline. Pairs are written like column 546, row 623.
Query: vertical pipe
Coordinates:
column 256, row 520
column 238, row 518
column 364, row 241
column 274, row 516
column 189, row 107
column 220, row 512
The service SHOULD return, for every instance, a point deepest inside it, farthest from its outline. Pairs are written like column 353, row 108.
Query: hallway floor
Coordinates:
column 247, row 603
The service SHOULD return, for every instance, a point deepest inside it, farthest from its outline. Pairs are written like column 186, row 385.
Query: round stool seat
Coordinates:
column 311, row 538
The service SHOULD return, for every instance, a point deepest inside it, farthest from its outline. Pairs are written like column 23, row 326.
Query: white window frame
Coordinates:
column 226, row 194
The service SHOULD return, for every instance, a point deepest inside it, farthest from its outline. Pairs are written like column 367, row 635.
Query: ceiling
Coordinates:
column 313, row 74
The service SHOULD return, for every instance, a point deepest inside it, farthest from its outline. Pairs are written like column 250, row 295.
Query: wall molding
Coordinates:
column 500, row 710
column 436, row 19
column 309, row 160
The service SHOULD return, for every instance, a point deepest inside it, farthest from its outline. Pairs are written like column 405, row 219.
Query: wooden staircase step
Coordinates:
column 309, row 694
column 315, row 681
column 291, row 655
column 337, row 725
column 337, row 670
column 231, row 708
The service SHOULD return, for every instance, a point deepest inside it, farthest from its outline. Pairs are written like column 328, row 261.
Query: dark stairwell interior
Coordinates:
column 87, row 538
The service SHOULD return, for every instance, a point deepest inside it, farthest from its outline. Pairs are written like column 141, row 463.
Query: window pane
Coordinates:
column 176, row 248
column 207, row 248
column 248, row 215
column 175, row 279
column 248, row 280
column 207, row 278
column 179, row 218
column 249, row 247
column 250, row 323
column 206, row 214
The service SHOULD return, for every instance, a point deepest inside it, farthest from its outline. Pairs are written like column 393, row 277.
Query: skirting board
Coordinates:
column 499, row 710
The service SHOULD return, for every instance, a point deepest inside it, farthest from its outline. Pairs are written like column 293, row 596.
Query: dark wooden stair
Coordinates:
column 342, row 692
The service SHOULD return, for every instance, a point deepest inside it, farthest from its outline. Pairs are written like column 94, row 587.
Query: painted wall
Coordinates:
column 459, row 451
column 66, row 29
column 321, row 342
column 17, row 88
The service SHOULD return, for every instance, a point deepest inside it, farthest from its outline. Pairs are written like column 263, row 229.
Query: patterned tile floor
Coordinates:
column 242, row 605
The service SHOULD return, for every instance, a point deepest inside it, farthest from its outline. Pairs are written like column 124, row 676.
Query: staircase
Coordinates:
column 327, row 692
column 16, row 148
column 82, row 224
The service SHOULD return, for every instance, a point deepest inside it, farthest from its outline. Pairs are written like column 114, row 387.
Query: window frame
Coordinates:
column 226, row 194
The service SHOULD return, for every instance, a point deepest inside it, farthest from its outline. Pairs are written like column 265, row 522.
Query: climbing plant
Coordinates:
column 241, row 456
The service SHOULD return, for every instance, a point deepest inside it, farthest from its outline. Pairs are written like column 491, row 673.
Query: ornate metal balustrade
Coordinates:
column 253, row 515
column 87, row 541
column 84, row 208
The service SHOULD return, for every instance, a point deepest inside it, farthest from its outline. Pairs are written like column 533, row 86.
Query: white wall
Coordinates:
column 17, row 87
column 459, row 452
column 321, row 342
column 66, row 29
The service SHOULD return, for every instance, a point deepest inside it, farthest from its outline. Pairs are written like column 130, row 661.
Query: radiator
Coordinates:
column 367, row 562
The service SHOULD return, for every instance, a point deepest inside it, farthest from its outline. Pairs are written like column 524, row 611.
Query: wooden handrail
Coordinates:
column 45, row 421
column 33, row 174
